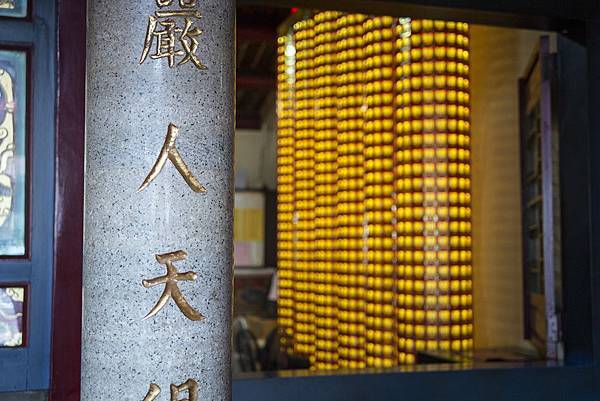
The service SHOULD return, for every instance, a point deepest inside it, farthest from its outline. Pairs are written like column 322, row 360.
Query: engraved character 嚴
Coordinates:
column 170, row 39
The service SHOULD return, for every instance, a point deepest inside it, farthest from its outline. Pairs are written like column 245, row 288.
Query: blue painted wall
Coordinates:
column 28, row 368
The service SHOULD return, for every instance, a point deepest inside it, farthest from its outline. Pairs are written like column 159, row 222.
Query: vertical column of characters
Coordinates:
column 379, row 193
column 349, row 265
column 325, row 189
column 304, row 191
column 162, row 347
column 285, row 186
column 409, row 229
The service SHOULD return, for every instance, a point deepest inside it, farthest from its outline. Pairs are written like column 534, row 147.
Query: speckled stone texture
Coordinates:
column 129, row 109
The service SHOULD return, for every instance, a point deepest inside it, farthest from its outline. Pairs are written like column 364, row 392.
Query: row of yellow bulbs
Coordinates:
column 325, row 145
column 381, row 69
column 351, row 348
column 304, row 337
column 379, row 223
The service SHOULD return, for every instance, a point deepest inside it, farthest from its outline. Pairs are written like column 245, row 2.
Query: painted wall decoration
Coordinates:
column 12, row 309
column 13, row 8
column 249, row 229
column 13, row 101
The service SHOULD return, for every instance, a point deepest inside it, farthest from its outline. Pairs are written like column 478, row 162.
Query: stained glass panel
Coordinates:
column 13, row 8
column 12, row 316
column 13, row 102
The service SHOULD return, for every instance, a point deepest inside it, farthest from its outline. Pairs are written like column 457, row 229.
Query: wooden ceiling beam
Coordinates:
column 254, row 81
column 256, row 34
column 247, row 122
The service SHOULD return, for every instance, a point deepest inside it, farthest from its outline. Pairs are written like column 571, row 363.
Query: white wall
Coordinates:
column 256, row 153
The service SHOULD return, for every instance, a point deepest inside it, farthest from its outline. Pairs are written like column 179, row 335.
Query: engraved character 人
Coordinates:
column 169, row 151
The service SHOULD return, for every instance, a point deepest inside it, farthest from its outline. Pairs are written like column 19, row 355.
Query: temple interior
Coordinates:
column 293, row 200
column 387, row 184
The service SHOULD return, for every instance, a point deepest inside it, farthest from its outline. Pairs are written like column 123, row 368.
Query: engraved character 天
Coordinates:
column 182, row 3
column 172, row 40
column 171, row 289
column 169, row 151
column 190, row 386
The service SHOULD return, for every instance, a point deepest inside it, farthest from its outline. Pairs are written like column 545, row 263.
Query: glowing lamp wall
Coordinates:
column 374, row 218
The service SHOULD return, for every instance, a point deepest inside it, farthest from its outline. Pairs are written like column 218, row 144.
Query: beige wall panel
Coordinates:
column 498, row 58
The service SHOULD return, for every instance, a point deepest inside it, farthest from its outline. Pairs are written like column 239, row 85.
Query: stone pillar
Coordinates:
column 145, row 80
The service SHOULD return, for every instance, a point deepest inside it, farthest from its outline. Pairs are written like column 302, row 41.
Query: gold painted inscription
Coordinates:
column 171, row 289
column 174, row 34
column 190, row 386
column 153, row 392
column 169, row 151
column 182, row 3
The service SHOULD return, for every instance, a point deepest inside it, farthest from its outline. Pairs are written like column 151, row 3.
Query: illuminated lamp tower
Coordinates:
column 325, row 133
column 304, row 192
column 349, row 265
column 285, row 186
column 379, row 194
column 432, row 183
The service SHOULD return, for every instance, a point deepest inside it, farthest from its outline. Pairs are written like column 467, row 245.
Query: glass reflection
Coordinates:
column 12, row 153
column 12, row 300
column 13, row 8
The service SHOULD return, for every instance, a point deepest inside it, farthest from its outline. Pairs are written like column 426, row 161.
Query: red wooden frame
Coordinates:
column 69, row 180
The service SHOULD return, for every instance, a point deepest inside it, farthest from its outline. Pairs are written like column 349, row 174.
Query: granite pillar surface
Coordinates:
column 133, row 97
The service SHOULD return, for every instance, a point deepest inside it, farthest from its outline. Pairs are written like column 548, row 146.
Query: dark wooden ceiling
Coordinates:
column 256, row 60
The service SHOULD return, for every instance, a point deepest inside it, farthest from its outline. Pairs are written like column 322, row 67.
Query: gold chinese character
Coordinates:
column 153, row 392
column 191, row 386
column 169, row 151
column 190, row 44
column 171, row 289
column 182, row 3
column 167, row 39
